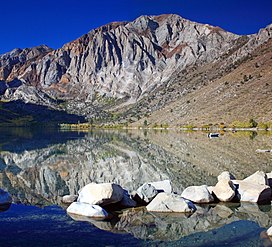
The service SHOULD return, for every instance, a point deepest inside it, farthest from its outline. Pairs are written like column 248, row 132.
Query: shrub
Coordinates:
column 222, row 126
column 205, row 126
column 189, row 126
column 165, row 126
column 253, row 123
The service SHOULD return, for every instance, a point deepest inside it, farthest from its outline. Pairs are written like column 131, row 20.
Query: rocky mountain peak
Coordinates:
column 121, row 61
column 14, row 60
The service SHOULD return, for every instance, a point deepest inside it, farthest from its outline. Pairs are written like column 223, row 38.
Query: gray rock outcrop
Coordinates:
column 121, row 60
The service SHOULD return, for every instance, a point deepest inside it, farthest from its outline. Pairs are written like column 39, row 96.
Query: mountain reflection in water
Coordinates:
column 39, row 166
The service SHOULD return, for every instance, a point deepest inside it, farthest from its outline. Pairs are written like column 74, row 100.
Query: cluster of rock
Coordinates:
column 255, row 188
column 158, row 196
column 96, row 200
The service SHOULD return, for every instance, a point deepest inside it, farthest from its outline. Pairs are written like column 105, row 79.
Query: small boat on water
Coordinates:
column 213, row 135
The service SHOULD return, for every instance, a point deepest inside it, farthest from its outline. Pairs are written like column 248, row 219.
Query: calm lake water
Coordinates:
column 38, row 166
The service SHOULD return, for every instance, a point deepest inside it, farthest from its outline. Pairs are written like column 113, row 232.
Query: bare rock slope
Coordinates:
column 120, row 64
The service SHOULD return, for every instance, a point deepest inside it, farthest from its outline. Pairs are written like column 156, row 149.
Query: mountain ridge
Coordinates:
column 108, row 71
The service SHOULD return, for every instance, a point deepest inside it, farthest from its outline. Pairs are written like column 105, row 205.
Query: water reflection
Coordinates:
column 4, row 207
column 172, row 227
column 37, row 166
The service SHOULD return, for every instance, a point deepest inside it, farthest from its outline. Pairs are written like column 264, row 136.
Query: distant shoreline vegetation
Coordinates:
column 236, row 125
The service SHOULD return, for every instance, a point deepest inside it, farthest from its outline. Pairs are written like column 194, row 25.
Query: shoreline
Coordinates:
column 87, row 126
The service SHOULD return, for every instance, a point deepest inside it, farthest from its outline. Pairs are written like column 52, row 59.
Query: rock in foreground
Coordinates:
column 162, row 186
column 198, row 194
column 101, row 194
column 147, row 192
column 165, row 202
column 269, row 232
column 224, row 190
column 258, row 177
column 248, row 192
column 88, row 210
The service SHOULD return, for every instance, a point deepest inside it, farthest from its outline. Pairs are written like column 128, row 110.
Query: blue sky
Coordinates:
column 27, row 23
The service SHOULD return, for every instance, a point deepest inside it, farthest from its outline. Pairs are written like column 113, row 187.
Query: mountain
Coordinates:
column 139, row 70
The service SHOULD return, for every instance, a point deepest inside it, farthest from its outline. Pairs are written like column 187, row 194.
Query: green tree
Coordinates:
column 253, row 123
column 145, row 122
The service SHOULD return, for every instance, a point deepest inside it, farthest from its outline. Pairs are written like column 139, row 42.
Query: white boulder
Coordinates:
column 162, row 186
column 224, row 190
column 269, row 232
column 88, row 210
column 165, row 202
column 258, row 177
column 146, row 192
column 248, row 192
column 198, row 194
column 101, row 194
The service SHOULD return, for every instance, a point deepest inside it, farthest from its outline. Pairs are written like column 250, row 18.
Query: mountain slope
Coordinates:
column 221, row 92
column 124, row 71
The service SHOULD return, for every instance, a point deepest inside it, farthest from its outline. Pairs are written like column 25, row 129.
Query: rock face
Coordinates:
column 119, row 60
column 165, row 202
column 5, row 198
column 14, row 62
column 224, row 190
column 249, row 192
column 198, row 194
column 88, row 210
column 101, row 194
column 121, row 63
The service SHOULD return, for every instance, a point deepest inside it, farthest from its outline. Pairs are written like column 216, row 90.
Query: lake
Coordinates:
column 38, row 166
